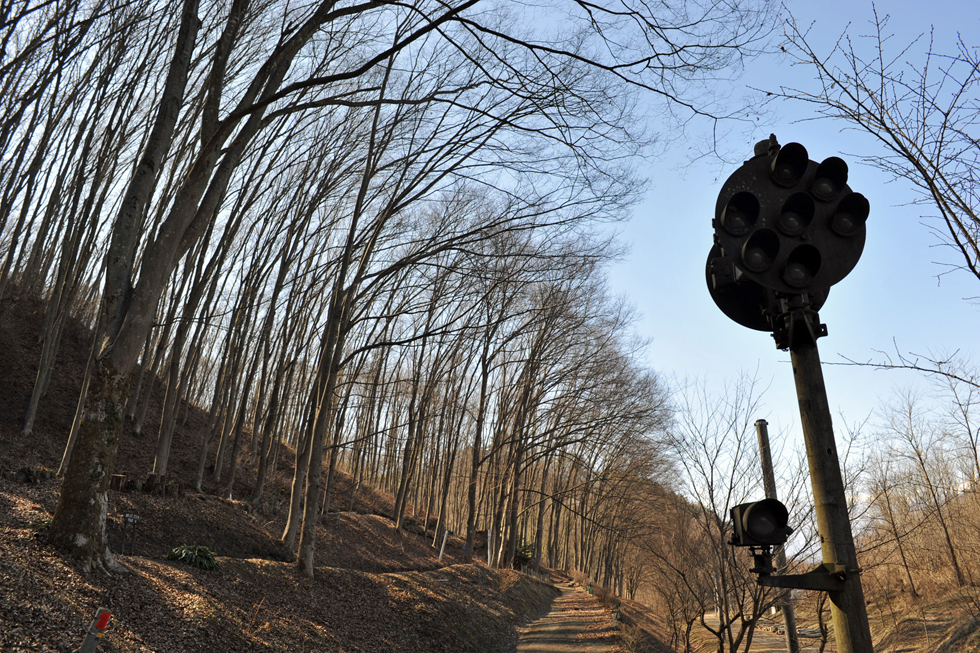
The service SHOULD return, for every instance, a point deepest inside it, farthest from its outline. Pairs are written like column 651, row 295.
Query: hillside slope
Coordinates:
column 376, row 589
column 247, row 604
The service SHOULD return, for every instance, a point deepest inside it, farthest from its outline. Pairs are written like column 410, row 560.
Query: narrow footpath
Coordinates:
column 576, row 624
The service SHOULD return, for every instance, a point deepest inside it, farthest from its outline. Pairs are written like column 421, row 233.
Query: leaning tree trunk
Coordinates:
column 239, row 425
column 82, row 518
column 79, row 519
column 83, row 395
column 290, row 535
column 475, row 462
column 265, row 449
column 333, row 347
column 176, row 377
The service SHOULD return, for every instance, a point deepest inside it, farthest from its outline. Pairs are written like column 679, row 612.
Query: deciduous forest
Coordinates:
column 367, row 243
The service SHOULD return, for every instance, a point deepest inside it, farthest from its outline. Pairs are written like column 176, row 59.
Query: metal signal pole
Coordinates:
column 786, row 230
column 848, row 608
column 769, row 482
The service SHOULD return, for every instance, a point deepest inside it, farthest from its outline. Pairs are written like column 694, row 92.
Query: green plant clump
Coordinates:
column 524, row 554
column 196, row 556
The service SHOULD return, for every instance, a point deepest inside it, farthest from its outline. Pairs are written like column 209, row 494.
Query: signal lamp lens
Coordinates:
column 760, row 250
column 736, row 221
column 790, row 223
column 801, row 266
column 796, row 274
column 796, row 214
column 824, row 187
column 844, row 224
column 790, row 165
column 757, row 260
column 766, row 521
column 830, row 179
column 785, row 172
column 851, row 215
column 740, row 214
column 761, row 526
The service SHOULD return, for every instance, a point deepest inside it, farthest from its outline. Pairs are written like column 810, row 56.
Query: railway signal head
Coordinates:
column 790, row 224
column 741, row 299
column 760, row 523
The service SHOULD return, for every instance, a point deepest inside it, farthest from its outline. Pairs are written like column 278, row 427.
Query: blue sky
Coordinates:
column 894, row 296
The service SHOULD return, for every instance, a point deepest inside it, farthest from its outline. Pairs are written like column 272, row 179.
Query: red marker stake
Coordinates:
column 96, row 630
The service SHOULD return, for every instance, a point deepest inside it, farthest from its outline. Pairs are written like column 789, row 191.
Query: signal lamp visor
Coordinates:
column 851, row 215
column 760, row 250
column 789, row 165
column 740, row 214
column 830, row 179
column 796, row 215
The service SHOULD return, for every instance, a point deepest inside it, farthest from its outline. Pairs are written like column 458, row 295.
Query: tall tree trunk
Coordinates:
column 228, row 414
column 408, row 454
column 515, row 504
column 218, row 401
column 154, row 370
column 539, row 527
column 240, row 424
column 498, row 523
column 332, row 353
column 290, row 535
column 136, row 384
column 898, row 540
column 79, row 519
column 82, row 397
column 84, row 504
column 204, row 278
column 476, row 454
column 338, row 430
column 268, row 426
column 447, row 477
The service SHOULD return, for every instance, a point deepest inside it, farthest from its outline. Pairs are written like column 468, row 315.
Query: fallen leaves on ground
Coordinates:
column 254, row 604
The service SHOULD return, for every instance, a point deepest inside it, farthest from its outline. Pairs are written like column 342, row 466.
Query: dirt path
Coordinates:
column 576, row 624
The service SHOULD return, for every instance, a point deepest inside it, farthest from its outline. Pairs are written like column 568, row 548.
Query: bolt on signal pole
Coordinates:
column 848, row 609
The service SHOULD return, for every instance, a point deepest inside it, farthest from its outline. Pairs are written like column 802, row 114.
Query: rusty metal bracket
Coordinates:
column 828, row 577
column 762, row 557
column 796, row 323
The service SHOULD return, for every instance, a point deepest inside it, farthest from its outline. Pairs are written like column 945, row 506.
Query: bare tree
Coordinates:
column 890, row 504
column 448, row 102
column 79, row 520
column 917, row 441
column 923, row 115
column 713, row 440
